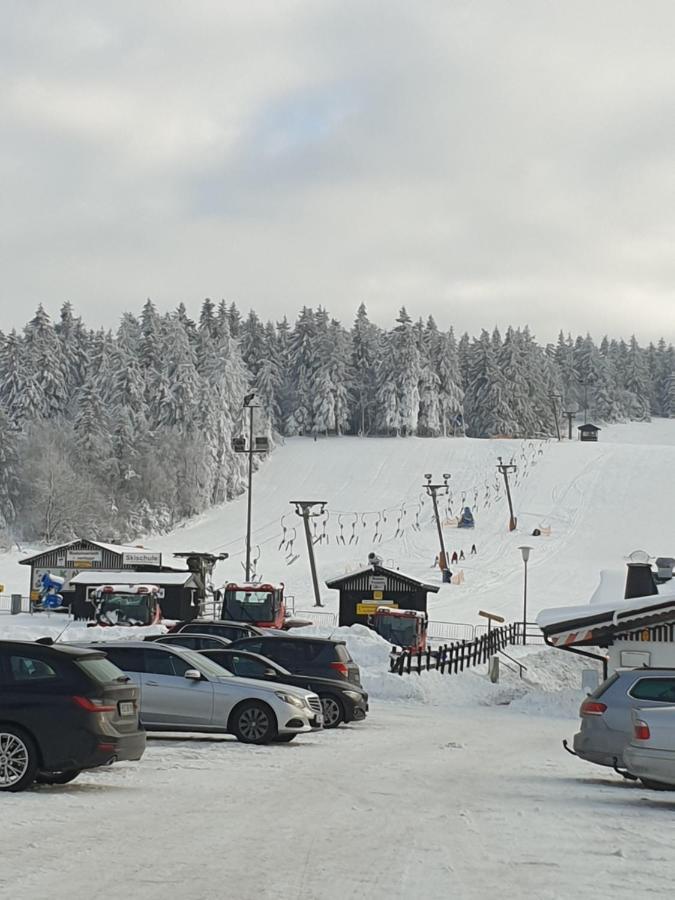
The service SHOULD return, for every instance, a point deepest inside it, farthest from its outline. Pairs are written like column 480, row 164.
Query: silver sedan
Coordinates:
column 181, row 690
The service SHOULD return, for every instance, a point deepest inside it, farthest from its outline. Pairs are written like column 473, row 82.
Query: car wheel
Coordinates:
column 333, row 712
column 284, row 738
column 657, row 785
column 18, row 759
column 57, row 777
column 254, row 723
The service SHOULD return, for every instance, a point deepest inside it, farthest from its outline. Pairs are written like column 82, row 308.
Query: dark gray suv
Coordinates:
column 606, row 724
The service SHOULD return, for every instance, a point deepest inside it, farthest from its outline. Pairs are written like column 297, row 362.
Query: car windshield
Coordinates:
column 205, row 665
column 397, row 629
column 253, row 605
column 126, row 608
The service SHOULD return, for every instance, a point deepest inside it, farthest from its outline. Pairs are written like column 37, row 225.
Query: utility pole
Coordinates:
column 525, row 553
column 260, row 445
column 303, row 508
column 570, row 413
column 432, row 491
column 556, row 418
column 505, row 468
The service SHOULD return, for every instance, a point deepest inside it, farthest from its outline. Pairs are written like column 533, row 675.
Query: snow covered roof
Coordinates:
column 101, row 576
column 602, row 619
column 342, row 579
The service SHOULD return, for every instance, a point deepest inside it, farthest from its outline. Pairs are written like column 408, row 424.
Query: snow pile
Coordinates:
column 551, row 685
column 26, row 627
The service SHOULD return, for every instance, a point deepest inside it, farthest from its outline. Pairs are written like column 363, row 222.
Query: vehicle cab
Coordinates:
column 127, row 604
column 405, row 628
column 257, row 604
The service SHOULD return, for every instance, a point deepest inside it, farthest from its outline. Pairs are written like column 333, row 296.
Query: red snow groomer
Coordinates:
column 258, row 604
column 404, row 628
column 127, row 604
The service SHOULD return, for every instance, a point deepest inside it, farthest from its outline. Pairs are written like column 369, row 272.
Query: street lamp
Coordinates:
column 260, row 445
column 525, row 553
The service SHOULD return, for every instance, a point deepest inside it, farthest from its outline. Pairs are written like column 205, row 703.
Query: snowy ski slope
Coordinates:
column 600, row 500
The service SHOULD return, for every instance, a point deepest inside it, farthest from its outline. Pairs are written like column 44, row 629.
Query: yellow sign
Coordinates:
column 645, row 636
column 82, row 563
column 35, row 595
column 378, row 595
column 2, row 589
column 369, row 609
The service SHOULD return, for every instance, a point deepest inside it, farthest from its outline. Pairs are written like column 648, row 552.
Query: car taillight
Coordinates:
column 341, row 668
column 592, row 708
column 641, row 730
column 92, row 706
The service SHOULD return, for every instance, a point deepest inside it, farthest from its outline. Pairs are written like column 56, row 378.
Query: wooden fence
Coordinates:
column 456, row 657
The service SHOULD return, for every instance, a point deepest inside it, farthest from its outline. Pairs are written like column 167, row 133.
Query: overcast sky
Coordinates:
column 486, row 162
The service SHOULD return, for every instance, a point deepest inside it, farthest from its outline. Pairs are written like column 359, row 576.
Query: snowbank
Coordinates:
column 551, row 685
column 26, row 627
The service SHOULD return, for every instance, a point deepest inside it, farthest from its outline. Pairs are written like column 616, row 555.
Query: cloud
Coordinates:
column 488, row 163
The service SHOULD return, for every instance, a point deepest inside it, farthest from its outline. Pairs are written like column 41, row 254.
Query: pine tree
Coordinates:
column 365, row 354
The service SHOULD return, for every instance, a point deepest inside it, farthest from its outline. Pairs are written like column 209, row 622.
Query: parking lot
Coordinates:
column 419, row 801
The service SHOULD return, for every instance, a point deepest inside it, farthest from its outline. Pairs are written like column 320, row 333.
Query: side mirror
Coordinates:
column 193, row 674
column 269, row 673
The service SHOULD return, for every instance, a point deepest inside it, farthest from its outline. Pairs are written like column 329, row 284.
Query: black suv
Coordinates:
column 232, row 631
column 62, row 709
column 305, row 655
column 341, row 700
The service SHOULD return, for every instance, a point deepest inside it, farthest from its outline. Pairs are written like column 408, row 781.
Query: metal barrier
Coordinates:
column 452, row 631
column 6, row 604
column 316, row 616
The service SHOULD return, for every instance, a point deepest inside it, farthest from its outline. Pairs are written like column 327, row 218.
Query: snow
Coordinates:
column 454, row 786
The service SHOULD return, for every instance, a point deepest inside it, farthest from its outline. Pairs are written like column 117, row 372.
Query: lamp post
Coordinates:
column 525, row 553
column 260, row 445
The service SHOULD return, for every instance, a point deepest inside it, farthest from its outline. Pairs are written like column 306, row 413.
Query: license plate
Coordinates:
column 127, row 708
column 318, row 719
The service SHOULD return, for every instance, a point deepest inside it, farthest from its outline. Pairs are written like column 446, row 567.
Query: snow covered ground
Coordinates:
column 453, row 786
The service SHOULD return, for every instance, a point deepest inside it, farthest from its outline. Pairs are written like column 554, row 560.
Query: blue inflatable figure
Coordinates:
column 466, row 519
column 50, row 591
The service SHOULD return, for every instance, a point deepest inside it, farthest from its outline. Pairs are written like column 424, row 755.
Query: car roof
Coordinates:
column 218, row 622
column 138, row 645
column 64, row 649
column 295, row 637
column 178, row 635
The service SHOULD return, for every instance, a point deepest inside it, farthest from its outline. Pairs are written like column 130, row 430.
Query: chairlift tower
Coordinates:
column 432, row 491
column 259, row 445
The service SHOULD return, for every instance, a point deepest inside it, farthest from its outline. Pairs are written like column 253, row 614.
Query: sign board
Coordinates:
column 58, row 570
column 142, row 558
column 378, row 582
column 378, row 595
column 370, row 608
column 80, row 556
column 492, row 616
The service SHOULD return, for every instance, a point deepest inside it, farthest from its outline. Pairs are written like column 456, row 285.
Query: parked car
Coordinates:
column 62, row 710
column 301, row 655
column 181, row 690
column 341, row 700
column 606, row 725
column 651, row 753
column 232, row 631
column 191, row 641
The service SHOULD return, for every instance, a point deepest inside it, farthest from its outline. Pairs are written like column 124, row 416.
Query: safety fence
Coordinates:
column 456, row 657
column 14, row 603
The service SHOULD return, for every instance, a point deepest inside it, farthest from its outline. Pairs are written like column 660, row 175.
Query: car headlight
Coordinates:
column 353, row 695
column 290, row 698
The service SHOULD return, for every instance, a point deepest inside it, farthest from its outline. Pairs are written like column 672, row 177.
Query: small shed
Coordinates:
column 178, row 591
column 363, row 591
column 80, row 555
column 588, row 432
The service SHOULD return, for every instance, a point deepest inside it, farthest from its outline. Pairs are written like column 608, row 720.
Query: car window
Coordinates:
column 255, row 646
column 102, row 670
column 26, row 669
column 159, row 662
column 658, row 689
column 247, row 667
column 185, row 640
column 128, row 659
column 209, row 644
